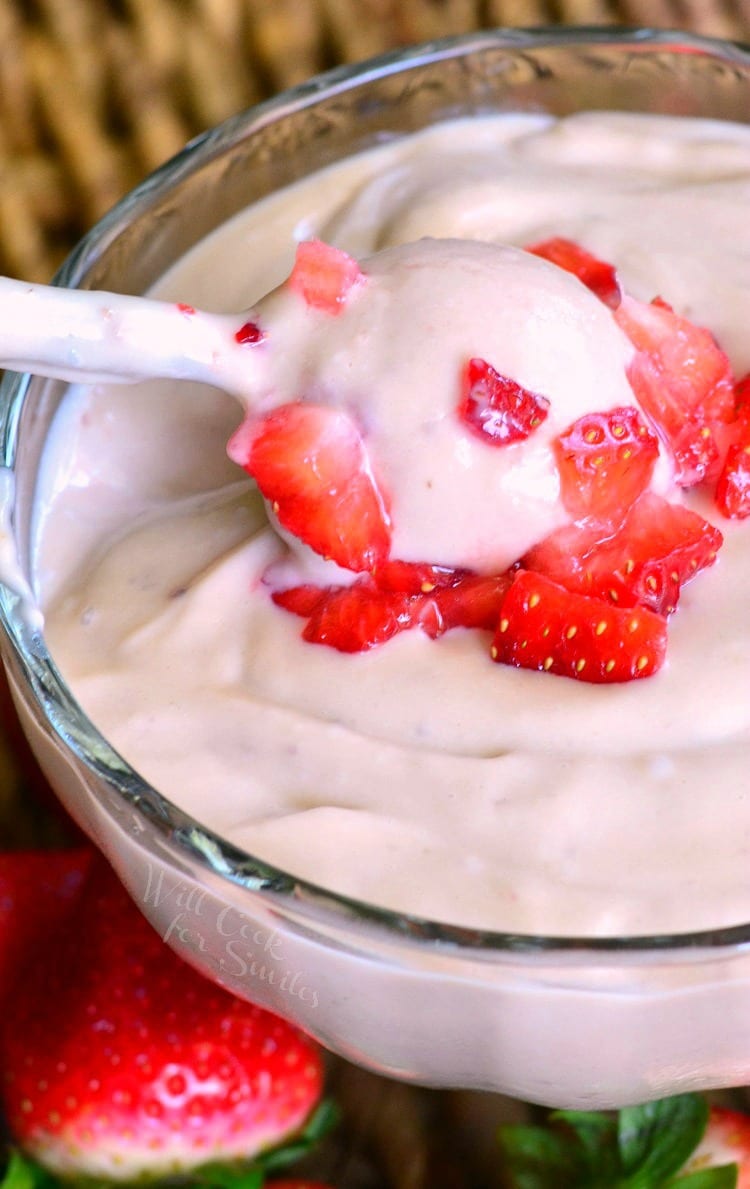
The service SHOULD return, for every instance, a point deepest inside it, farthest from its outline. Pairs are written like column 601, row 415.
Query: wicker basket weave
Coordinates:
column 96, row 93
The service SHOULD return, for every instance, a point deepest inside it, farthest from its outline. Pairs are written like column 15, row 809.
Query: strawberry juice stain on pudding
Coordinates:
column 511, row 453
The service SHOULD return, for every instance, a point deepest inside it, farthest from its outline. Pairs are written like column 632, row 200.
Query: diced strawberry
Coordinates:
column 310, row 462
column 646, row 561
column 474, row 601
column 605, row 461
column 360, row 617
column 543, row 626
column 408, row 577
column 366, row 614
column 463, row 598
column 300, row 600
column 249, row 335
column 498, row 409
column 683, row 382
column 733, row 485
column 726, row 1141
column 742, row 397
column 324, row 276
column 598, row 276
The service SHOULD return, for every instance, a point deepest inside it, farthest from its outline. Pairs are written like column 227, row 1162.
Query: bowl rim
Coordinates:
column 180, row 835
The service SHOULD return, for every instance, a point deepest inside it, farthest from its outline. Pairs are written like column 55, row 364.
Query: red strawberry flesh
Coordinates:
column 474, row 601
column 545, row 627
column 498, row 409
column 360, row 617
column 249, row 334
column 596, row 275
column 366, row 614
column 324, row 276
column 733, row 485
column 605, row 461
column 646, row 560
column 408, row 577
column 683, row 382
column 311, row 464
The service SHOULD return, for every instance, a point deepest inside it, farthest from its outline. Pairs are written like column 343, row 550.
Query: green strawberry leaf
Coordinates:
column 723, row 1177
column 656, row 1139
column 23, row 1173
column 540, row 1158
column 229, row 1176
column 253, row 1174
column 323, row 1119
column 643, row 1147
column 596, row 1136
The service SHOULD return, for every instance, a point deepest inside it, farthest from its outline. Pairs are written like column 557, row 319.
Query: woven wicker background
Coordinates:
column 96, row 93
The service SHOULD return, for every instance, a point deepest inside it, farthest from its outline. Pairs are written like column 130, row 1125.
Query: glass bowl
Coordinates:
column 567, row 1022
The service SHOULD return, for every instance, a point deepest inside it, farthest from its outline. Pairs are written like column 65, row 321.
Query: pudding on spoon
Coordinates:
column 436, row 474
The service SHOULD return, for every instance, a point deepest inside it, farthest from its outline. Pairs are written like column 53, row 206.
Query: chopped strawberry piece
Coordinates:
column 742, row 397
column 310, row 462
column 249, row 334
column 645, row 561
column 683, row 382
column 360, row 617
column 733, row 485
column 496, row 407
column 596, row 275
column 324, row 276
column 605, row 461
column 300, row 600
column 366, row 614
column 543, row 626
column 408, row 577
column 463, row 598
column 474, row 601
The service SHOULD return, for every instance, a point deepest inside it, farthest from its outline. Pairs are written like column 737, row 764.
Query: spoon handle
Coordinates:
column 88, row 335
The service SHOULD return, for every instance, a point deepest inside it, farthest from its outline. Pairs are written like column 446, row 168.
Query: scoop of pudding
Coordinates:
column 392, row 350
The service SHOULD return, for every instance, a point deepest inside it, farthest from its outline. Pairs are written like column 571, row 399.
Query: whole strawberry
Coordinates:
column 38, row 890
column 122, row 1062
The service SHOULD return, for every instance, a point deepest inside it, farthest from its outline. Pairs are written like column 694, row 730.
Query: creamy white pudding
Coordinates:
column 420, row 776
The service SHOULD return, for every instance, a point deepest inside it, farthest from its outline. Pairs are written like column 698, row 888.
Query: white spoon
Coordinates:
column 92, row 336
